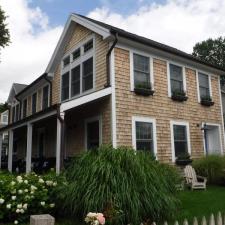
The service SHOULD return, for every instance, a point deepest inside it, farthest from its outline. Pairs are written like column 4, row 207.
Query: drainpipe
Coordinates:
column 50, row 85
column 62, row 146
column 108, row 84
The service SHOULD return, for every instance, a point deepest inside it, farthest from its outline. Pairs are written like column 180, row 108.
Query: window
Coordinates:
column 93, row 132
column 24, row 108
column 17, row 112
column 88, row 45
column 87, row 78
column 176, row 78
column 180, row 141
column 65, row 86
column 4, row 117
column 13, row 114
column 76, row 54
column 45, row 97
column 141, row 66
column 144, row 134
column 34, row 103
column 75, row 81
column 66, row 61
column 204, row 89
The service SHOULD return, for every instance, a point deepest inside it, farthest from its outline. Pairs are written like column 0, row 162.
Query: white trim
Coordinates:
column 29, row 147
column 85, row 99
column 1, row 140
column 4, row 114
column 113, row 101
column 168, row 76
column 151, row 70
column 197, row 81
column 58, row 146
column 89, row 120
column 179, row 123
column 220, row 135
column 10, row 153
column 146, row 120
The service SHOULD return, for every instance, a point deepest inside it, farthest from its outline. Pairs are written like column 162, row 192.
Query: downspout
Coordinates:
column 108, row 84
column 50, row 85
column 62, row 146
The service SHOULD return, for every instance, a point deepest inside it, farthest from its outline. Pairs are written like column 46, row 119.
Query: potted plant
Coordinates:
column 183, row 159
column 179, row 95
column 143, row 89
column 206, row 101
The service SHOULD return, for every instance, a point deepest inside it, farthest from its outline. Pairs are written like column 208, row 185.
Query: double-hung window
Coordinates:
column 34, row 103
column 181, row 145
column 78, row 77
column 24, row 108
column 204, row 86
column 144, row 135
column 176, row 78
column 45, row 97
column 141, row 71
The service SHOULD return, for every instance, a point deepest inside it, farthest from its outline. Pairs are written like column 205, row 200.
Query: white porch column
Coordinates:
column 10, row 153
column 58, row 145
column 29, row 147
column 1, row 139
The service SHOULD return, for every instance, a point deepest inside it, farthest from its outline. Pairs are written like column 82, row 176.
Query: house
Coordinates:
column 105, row 85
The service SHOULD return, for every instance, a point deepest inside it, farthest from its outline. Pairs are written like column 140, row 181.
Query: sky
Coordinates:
column 36, row 25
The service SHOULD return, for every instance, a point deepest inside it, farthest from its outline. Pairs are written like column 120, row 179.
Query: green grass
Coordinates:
column 200, row 203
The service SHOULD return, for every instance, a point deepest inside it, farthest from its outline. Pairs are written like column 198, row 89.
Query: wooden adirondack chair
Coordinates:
column 192, row 180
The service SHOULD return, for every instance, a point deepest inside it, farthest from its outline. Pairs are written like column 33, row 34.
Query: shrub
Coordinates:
column 23, row 195
column 211, row 167
column 127, row 186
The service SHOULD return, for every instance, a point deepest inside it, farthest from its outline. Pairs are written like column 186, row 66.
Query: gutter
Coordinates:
column 108, row 84
column 50, row 84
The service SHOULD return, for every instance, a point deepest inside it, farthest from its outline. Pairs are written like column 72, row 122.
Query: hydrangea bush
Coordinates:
column 27, row 194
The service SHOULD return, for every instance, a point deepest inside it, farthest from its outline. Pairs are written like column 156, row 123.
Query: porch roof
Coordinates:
column 52, row 110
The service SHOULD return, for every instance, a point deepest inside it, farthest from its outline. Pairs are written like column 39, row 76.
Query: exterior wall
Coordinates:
column 161, row 107
column 80, row 34
column 75, row 125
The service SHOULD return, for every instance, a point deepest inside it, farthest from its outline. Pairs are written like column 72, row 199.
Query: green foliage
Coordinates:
column 4, row 32
column 24, row 195
column 3, row 107
column 127, row 186
column 212, row 167
column 211, row 51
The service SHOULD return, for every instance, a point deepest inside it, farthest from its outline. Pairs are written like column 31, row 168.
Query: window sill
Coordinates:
column 183, row 162
column 207, row 103
column 143, row 91
column 179, row 98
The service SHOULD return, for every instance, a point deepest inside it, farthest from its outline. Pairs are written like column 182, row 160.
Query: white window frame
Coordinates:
column 197, row 81
column 220, row 135
column 179, row 123
column 89, row 120
column 42, row 95
column 168, row 76
column 145, row 120
column 79, row 61
column 4, row 114
column 151, row 69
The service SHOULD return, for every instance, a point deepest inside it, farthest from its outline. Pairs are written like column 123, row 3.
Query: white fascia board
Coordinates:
column 85, row 99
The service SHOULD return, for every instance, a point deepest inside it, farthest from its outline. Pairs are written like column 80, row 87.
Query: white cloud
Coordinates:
column 178, row 23
column 33, row 42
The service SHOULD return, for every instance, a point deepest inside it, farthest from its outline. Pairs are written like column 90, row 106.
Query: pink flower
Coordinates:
column 101, row 218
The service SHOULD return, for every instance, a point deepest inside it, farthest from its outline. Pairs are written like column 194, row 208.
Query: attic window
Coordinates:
column 88, row 45
column 76, row 54
column 66, row 61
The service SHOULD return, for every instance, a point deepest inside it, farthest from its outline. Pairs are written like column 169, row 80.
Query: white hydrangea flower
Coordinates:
column 25, row 190
column 19, row 178
column 49, row 183
column 22, row 211
column 41, row 181
column 55, row 184
column 2, row 201
column 15, row 222
column 8, row 206
column 20, row 191
column 25, row 181
column 13, row 197
column 25, row 206
column 52, row 205
column 13, row 183
column 42, row 203
column 18, row 211
column 19, row 206
column 33, row 188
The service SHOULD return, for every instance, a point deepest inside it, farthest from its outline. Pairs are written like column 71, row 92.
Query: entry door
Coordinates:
column 93, row 134
column 212, row 142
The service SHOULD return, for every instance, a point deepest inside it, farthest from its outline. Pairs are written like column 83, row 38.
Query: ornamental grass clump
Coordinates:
column 127, row 186
column 24, row 195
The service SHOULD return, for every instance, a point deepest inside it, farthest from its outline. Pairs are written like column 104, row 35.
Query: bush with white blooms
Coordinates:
column 23, row 195
column 95, row 218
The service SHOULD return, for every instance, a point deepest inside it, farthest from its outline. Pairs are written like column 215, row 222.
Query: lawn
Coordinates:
column 201, row 203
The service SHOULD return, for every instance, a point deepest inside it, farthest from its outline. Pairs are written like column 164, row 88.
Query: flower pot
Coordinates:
column 207, row 102
column 179, row 98
column 183, row 162
column 143, row 91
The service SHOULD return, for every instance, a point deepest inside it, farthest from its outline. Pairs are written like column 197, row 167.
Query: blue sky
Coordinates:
column 58, row 10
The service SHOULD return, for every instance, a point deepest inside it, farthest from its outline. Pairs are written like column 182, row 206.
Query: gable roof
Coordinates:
column 151, row 43
column 15, row 89
column 18, row 87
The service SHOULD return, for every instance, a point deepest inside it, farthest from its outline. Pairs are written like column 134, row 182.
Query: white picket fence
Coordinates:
column 218, row 219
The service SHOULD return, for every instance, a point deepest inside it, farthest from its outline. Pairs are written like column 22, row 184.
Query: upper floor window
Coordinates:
column 176, row 78
column 141, row 66
column 144, row 135
column 17, row 112
column 24, row 108
column 45, row 97
column 204, row 87
column 4, row 117
column 78, row 78
column 34, row 103
column 66, row 61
